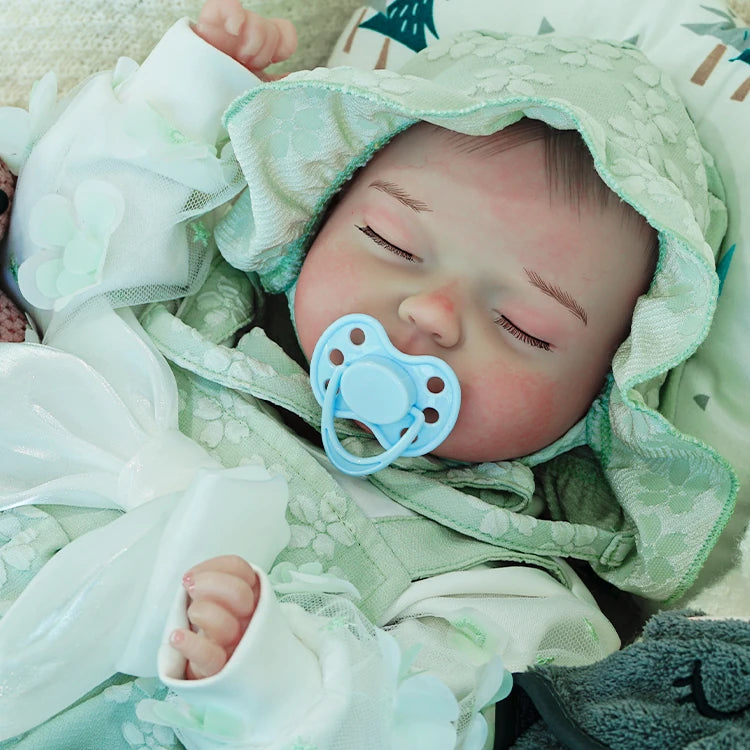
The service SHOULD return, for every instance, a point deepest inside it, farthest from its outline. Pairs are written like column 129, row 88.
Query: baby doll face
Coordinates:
column 476, row 260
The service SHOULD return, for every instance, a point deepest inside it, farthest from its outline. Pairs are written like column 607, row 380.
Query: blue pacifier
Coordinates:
column 409, row 402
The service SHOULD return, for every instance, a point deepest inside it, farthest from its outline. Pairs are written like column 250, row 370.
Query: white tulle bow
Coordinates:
column 91, row 420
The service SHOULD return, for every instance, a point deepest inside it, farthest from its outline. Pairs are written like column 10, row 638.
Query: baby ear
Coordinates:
column 12, row 320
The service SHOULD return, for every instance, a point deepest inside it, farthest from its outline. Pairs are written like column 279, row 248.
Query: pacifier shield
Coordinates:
column 410, row 403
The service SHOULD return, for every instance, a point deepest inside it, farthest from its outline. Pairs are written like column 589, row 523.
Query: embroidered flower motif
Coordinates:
column 676, row 486
column 495, row 523
column 143, row 734
column 287, row 578
column 387, row 81
column 290, row 130
column 463, row 44
column 219, row 414
column 20, row 130
column 648, row 105
column 699, row 158
column 535, row 45
column 654, row 77
column 639, row 180
column 321, row 526
column 73, row 238
column 524, row 525
column 649, row 127
column 584, row 52
column 222, row 306
column 520, row 80
column 16, row 551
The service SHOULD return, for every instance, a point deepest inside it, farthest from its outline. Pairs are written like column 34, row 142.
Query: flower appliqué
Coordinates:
column 310, row 577
column 494, row 683
column 144, row 136
column 425, row 710
column 73, row 237
column 20, row 130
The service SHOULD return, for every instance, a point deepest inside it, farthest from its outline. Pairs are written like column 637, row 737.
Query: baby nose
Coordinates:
column 434, row 314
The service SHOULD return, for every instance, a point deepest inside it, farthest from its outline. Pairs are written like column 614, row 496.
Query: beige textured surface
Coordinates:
column 741, row 8
column 78, row 37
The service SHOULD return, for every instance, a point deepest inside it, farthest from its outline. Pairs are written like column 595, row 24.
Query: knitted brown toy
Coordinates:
column 12, row 321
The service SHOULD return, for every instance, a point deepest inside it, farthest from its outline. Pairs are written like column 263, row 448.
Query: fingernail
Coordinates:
column 188, row 581
column 176, row 637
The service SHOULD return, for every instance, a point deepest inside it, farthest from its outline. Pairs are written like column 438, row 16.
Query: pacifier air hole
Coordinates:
column 431, row 415
column 337, row 357
column 357, row 336
column 435, row 385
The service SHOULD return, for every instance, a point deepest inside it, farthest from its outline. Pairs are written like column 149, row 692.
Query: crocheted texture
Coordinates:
column 76, row 38
column 12, row 322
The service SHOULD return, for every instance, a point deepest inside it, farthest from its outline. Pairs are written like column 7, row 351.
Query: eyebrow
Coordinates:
column 400, row 195
column 551, row 290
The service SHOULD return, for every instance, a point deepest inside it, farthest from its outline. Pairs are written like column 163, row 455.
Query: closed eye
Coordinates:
column 521, row 335
column 378, row 240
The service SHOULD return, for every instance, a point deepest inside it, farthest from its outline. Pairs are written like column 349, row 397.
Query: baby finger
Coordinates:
column 225, row 589
column 218, row 624
column 204, row 657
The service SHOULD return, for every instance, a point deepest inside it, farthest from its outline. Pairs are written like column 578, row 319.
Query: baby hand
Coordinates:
column 223, row 594
column 252, row 40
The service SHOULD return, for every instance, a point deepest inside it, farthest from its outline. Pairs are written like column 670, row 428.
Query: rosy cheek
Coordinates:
column 521, row 400
column 327, row 288
column 504, row 417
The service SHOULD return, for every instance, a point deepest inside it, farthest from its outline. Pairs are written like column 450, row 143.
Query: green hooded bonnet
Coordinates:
column 662, row 496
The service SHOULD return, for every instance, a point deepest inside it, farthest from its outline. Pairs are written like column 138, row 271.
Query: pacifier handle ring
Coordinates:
column 347, row 462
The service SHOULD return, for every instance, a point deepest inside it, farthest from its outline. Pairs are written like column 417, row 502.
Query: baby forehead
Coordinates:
column 460, row 157
column 560, row 157
column 532, row 149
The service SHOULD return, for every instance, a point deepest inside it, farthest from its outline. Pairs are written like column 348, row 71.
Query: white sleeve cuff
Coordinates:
column 189, row 82
column 270, row 672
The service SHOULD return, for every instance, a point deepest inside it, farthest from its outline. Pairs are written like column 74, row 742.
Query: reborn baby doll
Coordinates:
column 426, row 199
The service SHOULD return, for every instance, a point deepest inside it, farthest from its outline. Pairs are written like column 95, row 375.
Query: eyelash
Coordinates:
column 514, row 330
column 501, row 320
column 378, row 240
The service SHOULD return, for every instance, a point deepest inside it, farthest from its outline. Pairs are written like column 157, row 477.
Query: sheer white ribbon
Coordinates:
column 91, row 420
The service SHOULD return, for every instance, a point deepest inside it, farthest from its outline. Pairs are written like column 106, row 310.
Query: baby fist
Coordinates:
column 223, row 594
column 252, row 40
